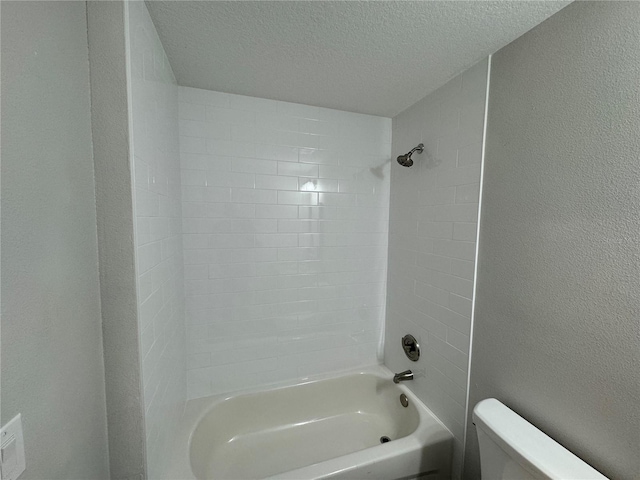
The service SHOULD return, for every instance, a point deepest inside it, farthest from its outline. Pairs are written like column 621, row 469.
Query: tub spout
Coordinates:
column 403, row 376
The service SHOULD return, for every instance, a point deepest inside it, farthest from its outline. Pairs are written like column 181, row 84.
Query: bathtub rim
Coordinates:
column 198, row 408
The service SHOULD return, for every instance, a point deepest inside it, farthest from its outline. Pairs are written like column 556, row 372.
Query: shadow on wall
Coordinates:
column 378, row 171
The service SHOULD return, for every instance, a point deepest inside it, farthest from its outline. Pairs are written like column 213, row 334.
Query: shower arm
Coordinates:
column 419, row 149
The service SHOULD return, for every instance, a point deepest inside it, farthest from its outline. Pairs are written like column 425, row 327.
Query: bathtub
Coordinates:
column 331, row 427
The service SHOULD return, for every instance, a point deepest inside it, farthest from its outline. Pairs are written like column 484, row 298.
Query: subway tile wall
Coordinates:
column 285, row 221
column 432, row 241
column 158, row 231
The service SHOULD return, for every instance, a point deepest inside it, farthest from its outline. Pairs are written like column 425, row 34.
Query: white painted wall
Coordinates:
column 285, row 212
column 557, row 329
column 153, row 101
column 52, row 366
column 432, row 242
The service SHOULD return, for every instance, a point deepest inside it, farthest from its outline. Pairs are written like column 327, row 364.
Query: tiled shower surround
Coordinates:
column 157, row 202
column 432, row 242
column 285, row 225
column 275, row 220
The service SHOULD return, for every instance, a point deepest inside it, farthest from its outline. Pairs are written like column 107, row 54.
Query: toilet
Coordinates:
column 512, row 448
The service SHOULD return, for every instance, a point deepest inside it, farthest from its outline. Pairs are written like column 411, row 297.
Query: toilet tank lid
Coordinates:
column 529, row 446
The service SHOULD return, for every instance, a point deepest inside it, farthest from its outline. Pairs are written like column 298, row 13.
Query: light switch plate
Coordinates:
column 12, row 461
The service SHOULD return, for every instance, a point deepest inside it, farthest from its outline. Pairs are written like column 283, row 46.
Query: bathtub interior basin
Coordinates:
column 342, row 427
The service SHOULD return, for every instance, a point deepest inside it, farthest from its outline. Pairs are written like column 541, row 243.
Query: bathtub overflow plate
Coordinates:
column 411, row 347
column 404, row 401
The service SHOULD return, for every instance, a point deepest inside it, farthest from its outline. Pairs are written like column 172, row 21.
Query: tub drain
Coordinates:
column 384, row 439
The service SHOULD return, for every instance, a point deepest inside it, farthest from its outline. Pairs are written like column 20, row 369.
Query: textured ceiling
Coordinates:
column 370, row 57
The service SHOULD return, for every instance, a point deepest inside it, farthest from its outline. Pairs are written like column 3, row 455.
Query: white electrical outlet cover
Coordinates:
column 12, row 461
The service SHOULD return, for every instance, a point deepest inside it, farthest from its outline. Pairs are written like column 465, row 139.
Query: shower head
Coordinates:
column 405, row 160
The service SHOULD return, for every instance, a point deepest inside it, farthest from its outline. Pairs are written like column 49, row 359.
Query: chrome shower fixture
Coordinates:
column 405, row 160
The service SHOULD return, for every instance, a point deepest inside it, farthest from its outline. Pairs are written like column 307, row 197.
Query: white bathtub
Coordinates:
column 316, row 429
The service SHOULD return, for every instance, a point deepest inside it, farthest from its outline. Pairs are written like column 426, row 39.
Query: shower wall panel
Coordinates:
column 432, row 242
column 285, row 218
column 158, row 233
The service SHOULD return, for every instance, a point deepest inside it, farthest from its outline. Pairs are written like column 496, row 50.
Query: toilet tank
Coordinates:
column 512, row 448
